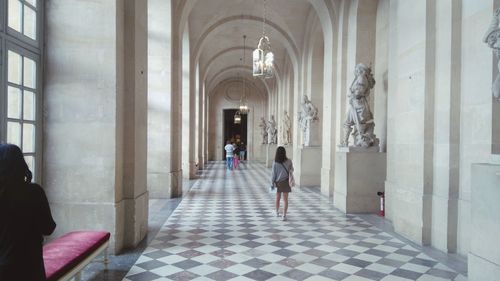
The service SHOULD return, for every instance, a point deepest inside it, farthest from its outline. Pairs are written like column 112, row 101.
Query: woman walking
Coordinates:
column 282, row 167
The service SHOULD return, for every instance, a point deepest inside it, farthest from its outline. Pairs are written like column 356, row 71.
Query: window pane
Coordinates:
column 15, row 66
column 15, row 14
column 29, row 73
column 30, row 160
column 28, row 138
column 14, row 133
column 29, row 106
column 14, row 103
column 32, row 2
column 29, row 22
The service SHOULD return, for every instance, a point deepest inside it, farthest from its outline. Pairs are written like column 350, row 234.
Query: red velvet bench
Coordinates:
column 65, row 257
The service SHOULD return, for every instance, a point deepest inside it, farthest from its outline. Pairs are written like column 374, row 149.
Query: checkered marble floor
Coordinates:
column 225, row 229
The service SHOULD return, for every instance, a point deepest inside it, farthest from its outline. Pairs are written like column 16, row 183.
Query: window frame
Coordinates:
column 3, row 91
column 13, row 40
column 3, row 14
column 20, row 35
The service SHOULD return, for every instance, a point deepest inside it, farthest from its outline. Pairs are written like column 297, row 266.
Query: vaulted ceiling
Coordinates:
column 216, row 29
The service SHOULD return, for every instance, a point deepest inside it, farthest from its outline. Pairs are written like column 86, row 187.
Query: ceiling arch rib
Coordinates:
column 249, row 85
column 218, row 65
column 326, row 11
column 280, row 36
column 211, row 60
column 228, row 73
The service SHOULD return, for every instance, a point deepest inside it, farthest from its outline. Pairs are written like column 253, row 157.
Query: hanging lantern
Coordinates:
column 263, row 58
column 243, row 107
column 237, row 118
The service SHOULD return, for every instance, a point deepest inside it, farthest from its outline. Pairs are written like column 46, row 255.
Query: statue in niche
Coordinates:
column 492, row 38
column 272, row 131
column 308, row 114
column 359, row 119
column 263, row 130
column 287, row 129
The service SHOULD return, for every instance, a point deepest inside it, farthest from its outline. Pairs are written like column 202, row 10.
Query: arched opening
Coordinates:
column 234, row 132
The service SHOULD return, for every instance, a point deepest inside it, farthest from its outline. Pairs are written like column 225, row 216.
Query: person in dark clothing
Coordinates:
column 243, row 149
column 24, row 218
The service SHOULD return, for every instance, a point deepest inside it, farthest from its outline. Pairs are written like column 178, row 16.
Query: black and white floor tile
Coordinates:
column 226, row 229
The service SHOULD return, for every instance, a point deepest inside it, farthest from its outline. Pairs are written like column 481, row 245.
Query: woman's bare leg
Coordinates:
column 285, row 207
column 278, row 198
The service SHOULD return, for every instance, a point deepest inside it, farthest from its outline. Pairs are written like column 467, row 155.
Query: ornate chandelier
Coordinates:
column 263, row 58
column 243, row 101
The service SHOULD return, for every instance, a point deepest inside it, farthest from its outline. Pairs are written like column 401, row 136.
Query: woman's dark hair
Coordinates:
column 280, row 155
column 13, row 168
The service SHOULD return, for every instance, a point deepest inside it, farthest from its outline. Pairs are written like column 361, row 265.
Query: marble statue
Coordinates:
column 359, row 120
column 272, row 131
column 263, row 130
column 287, row 129
column 492, row 38
column 308, row 114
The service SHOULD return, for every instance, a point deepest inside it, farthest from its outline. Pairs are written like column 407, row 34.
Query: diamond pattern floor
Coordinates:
column 225, row 229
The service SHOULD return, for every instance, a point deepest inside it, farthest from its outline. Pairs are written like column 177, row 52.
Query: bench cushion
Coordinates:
column 64, row 253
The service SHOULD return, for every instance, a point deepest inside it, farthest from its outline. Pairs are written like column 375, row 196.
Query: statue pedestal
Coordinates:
column 309, row 172
column 260, row 153
column 484, row 255
column 270, row 154
column 359, row 174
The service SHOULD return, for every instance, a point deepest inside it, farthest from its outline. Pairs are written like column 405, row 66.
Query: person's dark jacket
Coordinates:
column 24, row 218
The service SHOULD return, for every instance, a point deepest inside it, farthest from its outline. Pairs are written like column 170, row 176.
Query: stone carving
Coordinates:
column 272, row 131
column 308, row 114
column 359, row 119
column 492, row 38
column 287, row 129
column 263, row 130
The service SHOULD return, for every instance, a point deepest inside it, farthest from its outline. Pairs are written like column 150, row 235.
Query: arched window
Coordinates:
column 21, row 42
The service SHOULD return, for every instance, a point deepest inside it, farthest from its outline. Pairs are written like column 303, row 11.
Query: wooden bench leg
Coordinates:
column 106, row 259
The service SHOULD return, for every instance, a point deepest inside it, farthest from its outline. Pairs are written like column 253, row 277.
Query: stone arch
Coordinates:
column 283, row 37
column 212, row 84
column 219, row 100
column 221, row 53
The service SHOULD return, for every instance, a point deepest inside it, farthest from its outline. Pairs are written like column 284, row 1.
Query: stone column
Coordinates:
column 446, row 174
column 94, row 166
column 132, row 120
column 201, row 118
column 159, row 103
column 174, row 142
column 410, row 119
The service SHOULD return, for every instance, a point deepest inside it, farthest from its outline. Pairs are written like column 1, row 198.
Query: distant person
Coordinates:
column 243, row 149
column 229, row 148
column 282, row 166
column 236, row 161
column 24, row 218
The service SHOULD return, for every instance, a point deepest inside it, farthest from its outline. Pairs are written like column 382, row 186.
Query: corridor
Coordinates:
column 225, row 229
